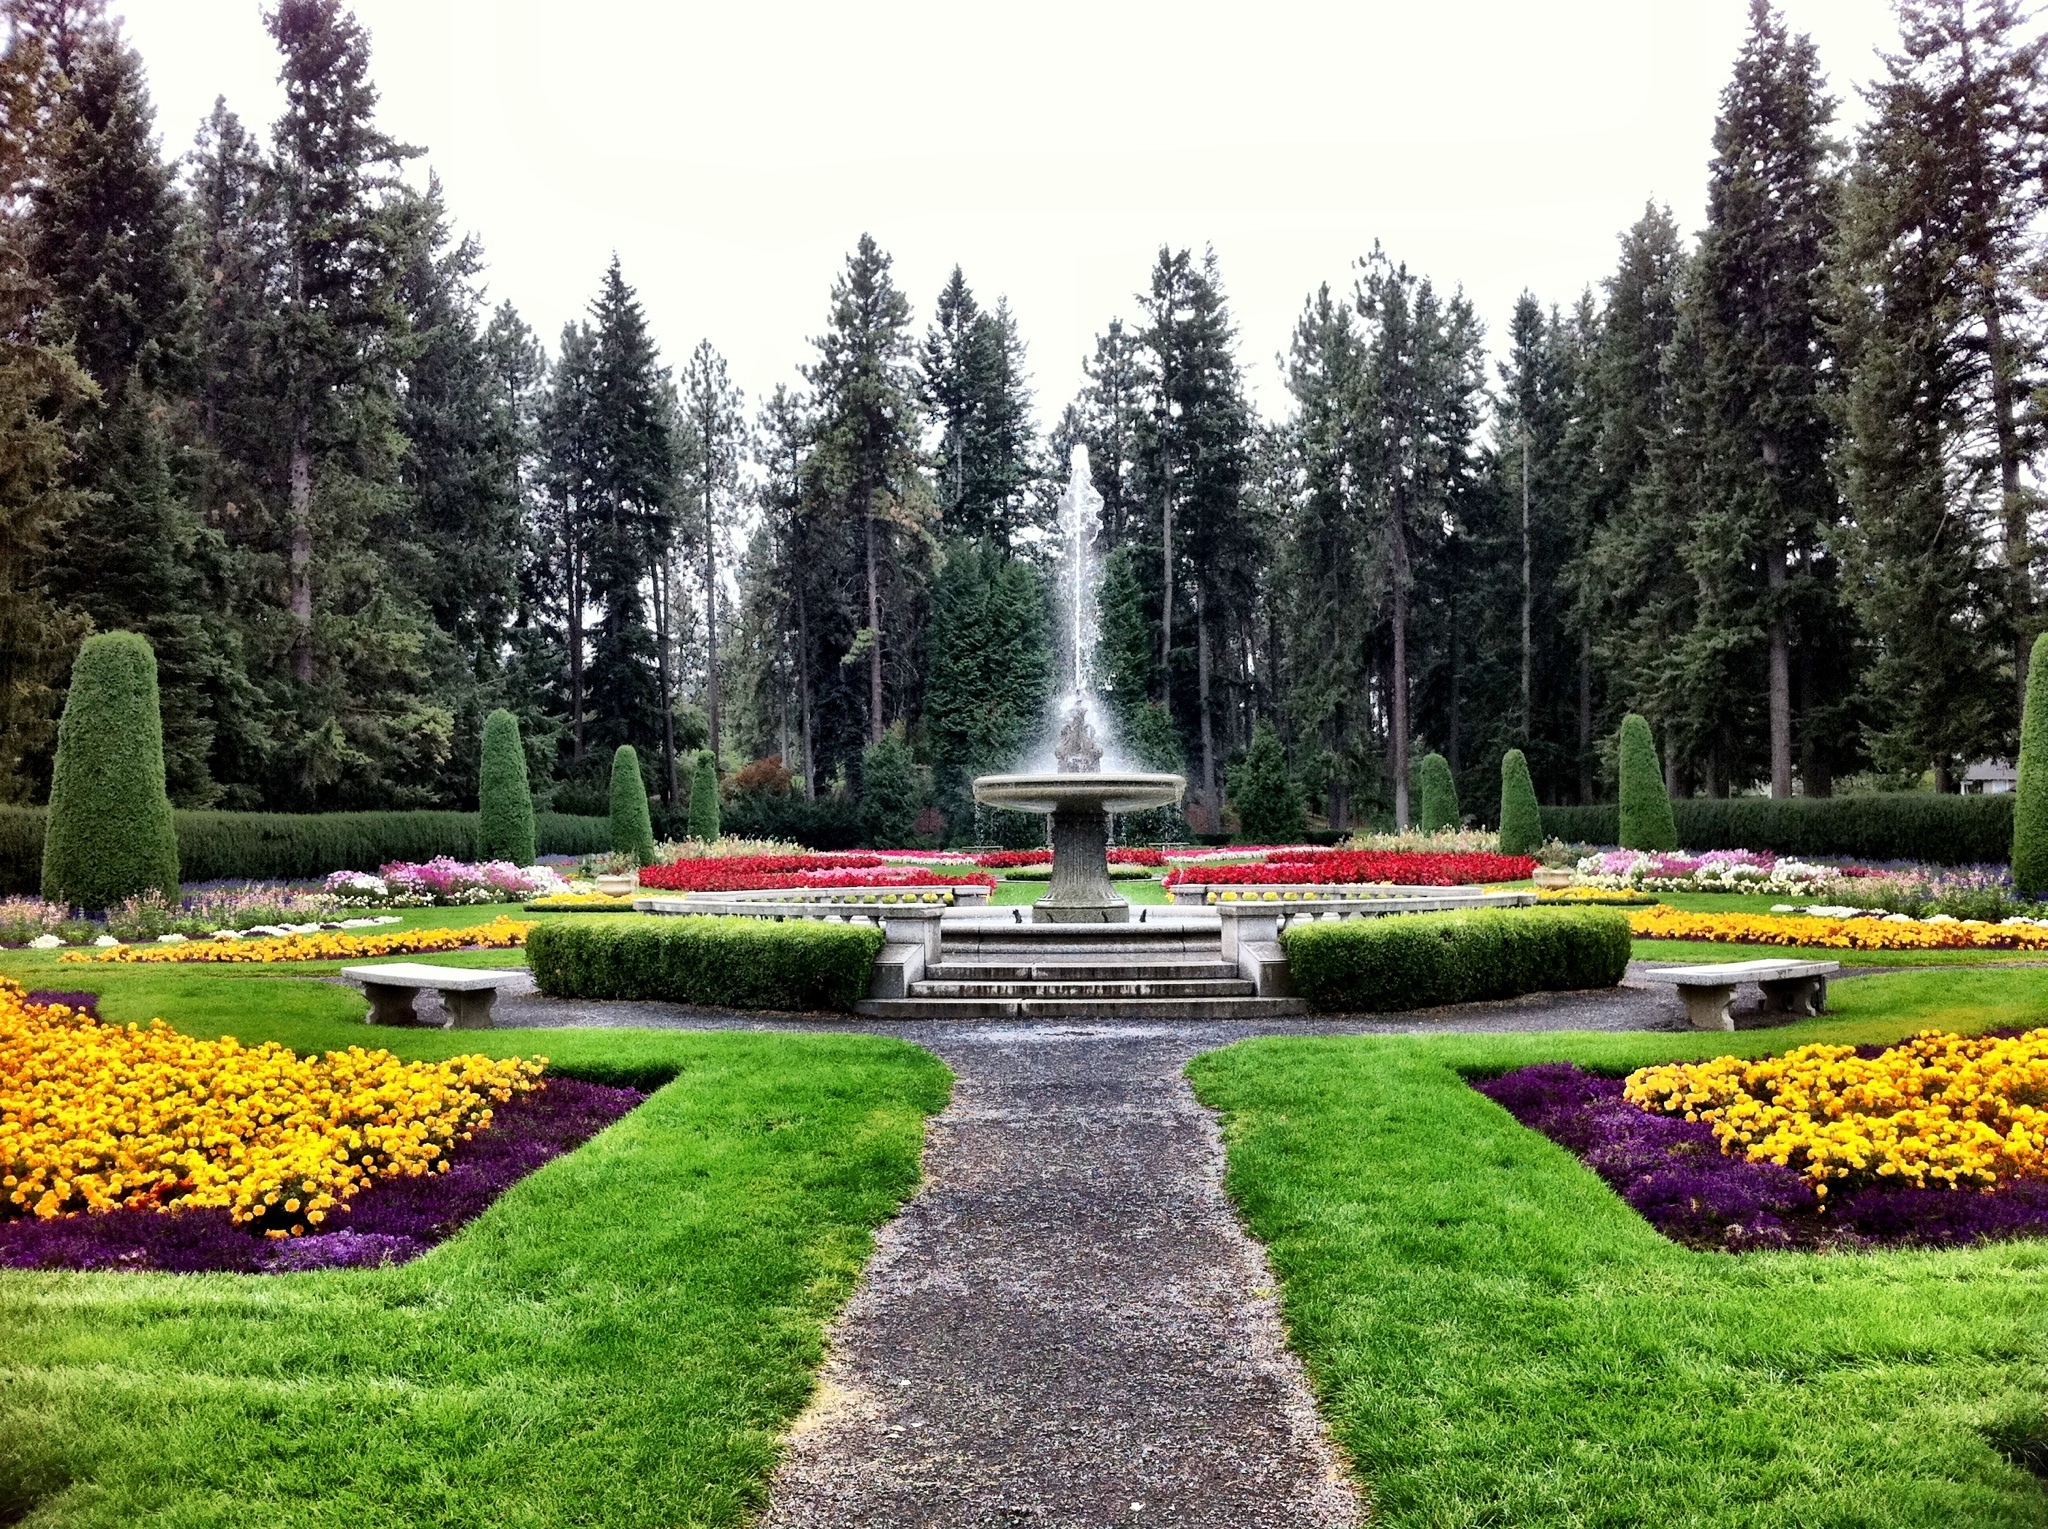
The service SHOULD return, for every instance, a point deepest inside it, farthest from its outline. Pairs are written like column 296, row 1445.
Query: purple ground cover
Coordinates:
column 1674, row 1174
column 81, row 1003
column 388, row 1223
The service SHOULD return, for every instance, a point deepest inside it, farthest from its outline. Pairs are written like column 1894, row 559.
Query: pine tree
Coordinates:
column 1521, row 821
column 988, row 674
column 1109, row 419
column 505, row 828
column 890, row 792
column 714, row 413
column 1645, row 820
column 632, row 824
column 109, row 833
column 704, row 800
column 1439, row 794
column 1265, row 792
column 972, row 383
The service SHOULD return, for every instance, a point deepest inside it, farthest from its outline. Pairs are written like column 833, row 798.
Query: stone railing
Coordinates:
column 971, row 894
column 1216, row 894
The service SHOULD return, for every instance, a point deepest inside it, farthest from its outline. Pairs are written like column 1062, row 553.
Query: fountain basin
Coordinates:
column 1080, row 804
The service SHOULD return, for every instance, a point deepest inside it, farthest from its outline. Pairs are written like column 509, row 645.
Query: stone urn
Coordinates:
column 1552, row 877
column 624, row 884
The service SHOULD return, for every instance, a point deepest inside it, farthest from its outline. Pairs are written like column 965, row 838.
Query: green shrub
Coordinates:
column 1645, row 820
column 1439, row 794
column 1268, row 798
column 109, row 833
column 1521, row 820
column 632, row 828
column 1420, row 960
column 740, row 963
column 504, row 819
column 890, row 792
column 1894, row 825
column 704, row 800
column 823, row 823
column 2030, row 798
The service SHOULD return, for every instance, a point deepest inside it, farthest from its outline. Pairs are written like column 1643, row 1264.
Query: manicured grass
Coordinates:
column 1010, row 893
column 618, row 1341
column 1497, row 1339
column 1711, row 950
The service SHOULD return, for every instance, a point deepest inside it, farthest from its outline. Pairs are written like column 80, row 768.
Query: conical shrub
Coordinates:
column 504, row 798
column 632, row 826
column 1270, row 807
column 1521, row 822
column 704, row 800
column 1439, row 794
column 2030, row 799
column 1646, row 821
column 109, row 833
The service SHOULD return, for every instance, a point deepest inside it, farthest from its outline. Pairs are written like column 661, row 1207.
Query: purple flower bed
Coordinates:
column 388, row 1223
column 80, row 1003
column 1673, row 1173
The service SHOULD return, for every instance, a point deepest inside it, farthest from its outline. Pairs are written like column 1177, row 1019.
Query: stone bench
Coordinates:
column 1790, row 987
column 466, row 992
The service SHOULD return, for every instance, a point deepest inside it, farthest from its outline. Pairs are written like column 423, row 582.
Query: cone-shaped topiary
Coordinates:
column 504, row 799
column 1646, row 821
column 2030, row 798
column 1439, row 794
column 1521, row 824
column 1267, row 796
column 704, row 800
column 632, row 827
column 109, row 833
column 890, row 792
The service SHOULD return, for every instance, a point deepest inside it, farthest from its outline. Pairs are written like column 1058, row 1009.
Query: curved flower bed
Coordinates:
column 1720, row 870
column 1672, row 1170
column 754, row 873
column 1344, row 867
column 499, row 934
column 440, row 882
column 1012, row 859
column 97, row 1117
column 1667, row 923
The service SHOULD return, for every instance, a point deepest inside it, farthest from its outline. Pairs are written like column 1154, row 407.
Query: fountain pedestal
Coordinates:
column 1079, row 804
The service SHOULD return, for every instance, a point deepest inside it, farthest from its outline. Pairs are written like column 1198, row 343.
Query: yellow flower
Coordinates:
column 1664, row 922
column 500, row 934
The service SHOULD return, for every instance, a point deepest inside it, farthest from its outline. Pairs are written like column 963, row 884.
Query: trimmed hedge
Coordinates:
column 292, row 846
column 504, row 794
column 108, row 835
column 1645, row 817
column 2030, row 794
column 704, row 800
column 632, row 827
column 1521, row 822
column 739, row 963
column 1420, row 960
column 1439, row 794
column 1894, row 825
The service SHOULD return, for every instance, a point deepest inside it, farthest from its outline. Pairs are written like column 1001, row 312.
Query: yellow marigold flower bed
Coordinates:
column 500, row 934
column 1605, row 897
column 1667, row 923
column 584, row 900
column 1937, row 1111
column 96, row 1116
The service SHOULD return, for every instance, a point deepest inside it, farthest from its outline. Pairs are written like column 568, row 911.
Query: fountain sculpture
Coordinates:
column 1080, row 796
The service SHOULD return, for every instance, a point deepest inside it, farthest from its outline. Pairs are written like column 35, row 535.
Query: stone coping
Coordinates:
column 1200, row 893
column 967, row 895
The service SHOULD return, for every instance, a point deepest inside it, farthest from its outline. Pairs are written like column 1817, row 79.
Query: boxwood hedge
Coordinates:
column 283, row 846
column 740, row 963
column 1892, row 825
column 1419, row 960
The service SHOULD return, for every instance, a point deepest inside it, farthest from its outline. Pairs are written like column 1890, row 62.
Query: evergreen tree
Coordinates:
column 704, row 800
column 890, row 792
column 1439, row 794
column 505, row 828
column 109, row 833
column 632, row 824
column 1109, row 419
column 1126, row 642
column 714, row 415
column 1646, row 821
column 1265, row 792
column 1521, row 821
column 2030, row 800
column 972, row 383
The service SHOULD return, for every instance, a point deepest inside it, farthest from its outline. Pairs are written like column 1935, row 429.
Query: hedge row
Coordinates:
column 278, row 846
column 1417, row 961
column 1899, row 825
column 738, row 963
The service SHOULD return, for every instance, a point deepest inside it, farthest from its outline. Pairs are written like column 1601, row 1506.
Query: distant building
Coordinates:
column 1990, row 777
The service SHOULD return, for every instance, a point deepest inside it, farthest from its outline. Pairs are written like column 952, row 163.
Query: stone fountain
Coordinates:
column 1079, row 795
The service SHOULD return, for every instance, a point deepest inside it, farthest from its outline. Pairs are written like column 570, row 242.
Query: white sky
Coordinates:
column 732, row 153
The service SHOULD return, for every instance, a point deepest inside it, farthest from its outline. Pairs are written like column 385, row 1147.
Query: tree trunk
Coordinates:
column 1585, row 718
column 1528, row 605
column 302, row 557
column 1210, row 804
column 1397, row 701
column 803, row 687
column 874, row 638
column 1781, row 675
column 573, row 562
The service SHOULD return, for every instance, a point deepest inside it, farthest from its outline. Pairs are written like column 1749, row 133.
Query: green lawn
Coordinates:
column 1010, row 893
column 619, row 1341
column 1498, row 1340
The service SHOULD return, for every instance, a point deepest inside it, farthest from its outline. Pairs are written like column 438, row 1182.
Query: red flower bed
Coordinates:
column 1344, row 867
column 753, row 873
column 1010, row 859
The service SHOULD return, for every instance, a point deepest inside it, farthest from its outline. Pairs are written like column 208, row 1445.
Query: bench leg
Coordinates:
column 390, row 1004
column 469, row 1011
column 1796, row 995
column 1707, row 1007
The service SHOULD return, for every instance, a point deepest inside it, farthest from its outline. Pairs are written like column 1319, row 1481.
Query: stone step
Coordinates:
column 997, row 946
column 1079, row 1008
column 1115, row 966
column 1096, row 987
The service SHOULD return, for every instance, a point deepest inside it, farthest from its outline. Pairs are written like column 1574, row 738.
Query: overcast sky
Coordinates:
column 731, row 154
